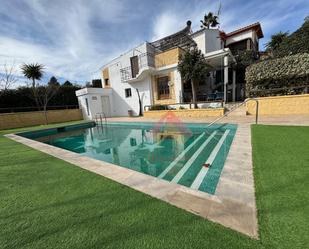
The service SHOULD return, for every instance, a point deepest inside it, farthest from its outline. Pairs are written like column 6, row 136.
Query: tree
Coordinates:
column 33, row 72
column 275, row 41
column 210, row 20
column 193, row 67
column 139, row 103
column 53, row 81
column 44, row 95
column 67, row 83
column 97, row 83
column 8, row 78
column 244, row 59
column 295, row 43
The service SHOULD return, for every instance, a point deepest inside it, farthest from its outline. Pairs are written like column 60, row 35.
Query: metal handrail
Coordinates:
column 100, row 116
column 241, row 104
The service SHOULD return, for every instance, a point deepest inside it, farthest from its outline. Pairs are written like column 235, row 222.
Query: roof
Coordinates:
column 179, row 39
column 255, row 26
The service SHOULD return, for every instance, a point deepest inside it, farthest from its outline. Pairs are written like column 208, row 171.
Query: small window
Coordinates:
column 106, row 81
column 128, row 92
column 163, row 88
column 87, row 106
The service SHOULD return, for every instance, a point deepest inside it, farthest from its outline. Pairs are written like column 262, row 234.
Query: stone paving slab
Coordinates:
column 233, row 204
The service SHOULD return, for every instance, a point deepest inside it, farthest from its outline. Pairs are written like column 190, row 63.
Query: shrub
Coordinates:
column 157, row 107
column 282, row 75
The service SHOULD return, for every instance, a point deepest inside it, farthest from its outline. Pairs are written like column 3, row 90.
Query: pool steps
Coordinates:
column 192, row 159
column 201, row 175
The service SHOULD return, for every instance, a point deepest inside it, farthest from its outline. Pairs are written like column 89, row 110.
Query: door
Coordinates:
column 134, row 66
column 106, row 108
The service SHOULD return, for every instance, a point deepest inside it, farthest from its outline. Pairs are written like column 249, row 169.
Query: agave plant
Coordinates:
column 210, row 20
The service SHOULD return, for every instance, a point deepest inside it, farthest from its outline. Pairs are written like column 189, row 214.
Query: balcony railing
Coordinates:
column 145, row 60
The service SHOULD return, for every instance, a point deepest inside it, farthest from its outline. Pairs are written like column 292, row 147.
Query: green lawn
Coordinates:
column 48, row 203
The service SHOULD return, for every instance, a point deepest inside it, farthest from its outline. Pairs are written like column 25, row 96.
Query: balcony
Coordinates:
column 145, row 62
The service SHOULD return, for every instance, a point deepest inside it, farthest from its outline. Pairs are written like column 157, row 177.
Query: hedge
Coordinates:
column 283, row 75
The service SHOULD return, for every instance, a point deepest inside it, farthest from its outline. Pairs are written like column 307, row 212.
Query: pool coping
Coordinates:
column 232, row 206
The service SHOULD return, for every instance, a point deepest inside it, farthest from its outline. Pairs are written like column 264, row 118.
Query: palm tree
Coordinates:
column 210, row 20
column 276, row 40
column 193, row 67
column 34, row 72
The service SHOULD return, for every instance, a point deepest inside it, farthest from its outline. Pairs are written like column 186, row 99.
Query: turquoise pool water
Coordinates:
column 187, row 154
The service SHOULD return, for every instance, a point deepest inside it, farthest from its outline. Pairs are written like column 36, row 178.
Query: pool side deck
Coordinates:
column 233, row 204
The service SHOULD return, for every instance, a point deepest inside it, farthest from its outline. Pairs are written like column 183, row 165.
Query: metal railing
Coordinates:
column 144, row 60
column 232, row 110
column 100, row 116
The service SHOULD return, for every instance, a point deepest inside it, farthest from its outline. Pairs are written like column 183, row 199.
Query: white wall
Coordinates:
column 121, row 104
column 242, row 36
column 200, row 41
column 208, row 40
column 178, row 86
column 213, row 40
column 93, row 96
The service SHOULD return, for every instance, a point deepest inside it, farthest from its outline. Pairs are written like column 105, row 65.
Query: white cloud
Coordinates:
column 70, row 47
column 166, row 24
column 74, row 38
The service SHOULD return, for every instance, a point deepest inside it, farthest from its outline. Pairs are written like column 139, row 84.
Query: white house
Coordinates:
column 150, row 70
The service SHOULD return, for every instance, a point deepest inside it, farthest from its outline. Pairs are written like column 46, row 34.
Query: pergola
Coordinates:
column 223, row 58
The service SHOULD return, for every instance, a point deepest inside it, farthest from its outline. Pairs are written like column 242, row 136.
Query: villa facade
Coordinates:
column 150, row 70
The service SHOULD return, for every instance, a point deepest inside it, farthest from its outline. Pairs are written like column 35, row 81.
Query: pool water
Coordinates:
column 188, row 154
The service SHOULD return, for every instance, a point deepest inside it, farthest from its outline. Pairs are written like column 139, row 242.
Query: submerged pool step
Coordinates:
column 201, row 175
column 181, row 156
column 189, row 163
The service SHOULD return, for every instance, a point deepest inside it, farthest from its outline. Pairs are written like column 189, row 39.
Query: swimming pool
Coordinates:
column 187, row 154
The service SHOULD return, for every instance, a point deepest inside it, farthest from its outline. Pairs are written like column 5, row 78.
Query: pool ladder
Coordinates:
column 99, row 116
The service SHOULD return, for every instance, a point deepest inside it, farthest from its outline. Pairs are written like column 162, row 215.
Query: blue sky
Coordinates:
column 74, row 38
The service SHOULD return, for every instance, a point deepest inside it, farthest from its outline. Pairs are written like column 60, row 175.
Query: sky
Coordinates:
column 73, row 39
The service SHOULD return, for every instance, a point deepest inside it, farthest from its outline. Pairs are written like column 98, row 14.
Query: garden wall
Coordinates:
column 24, row 119
column 280, row 105
column 186, row 113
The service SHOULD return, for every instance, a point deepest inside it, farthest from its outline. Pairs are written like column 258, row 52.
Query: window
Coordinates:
column 128, row 92
column 163, row 88
column 106, row 81
column 87, row 106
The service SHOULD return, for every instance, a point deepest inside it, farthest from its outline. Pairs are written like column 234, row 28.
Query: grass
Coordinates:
column 48, row 203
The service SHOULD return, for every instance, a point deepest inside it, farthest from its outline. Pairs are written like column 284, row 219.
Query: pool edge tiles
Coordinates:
column 218, row 208
column 193, row 157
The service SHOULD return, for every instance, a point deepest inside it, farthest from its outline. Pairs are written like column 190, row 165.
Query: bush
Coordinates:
column 282, row 74
column 158, row 108
column 285, row 75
